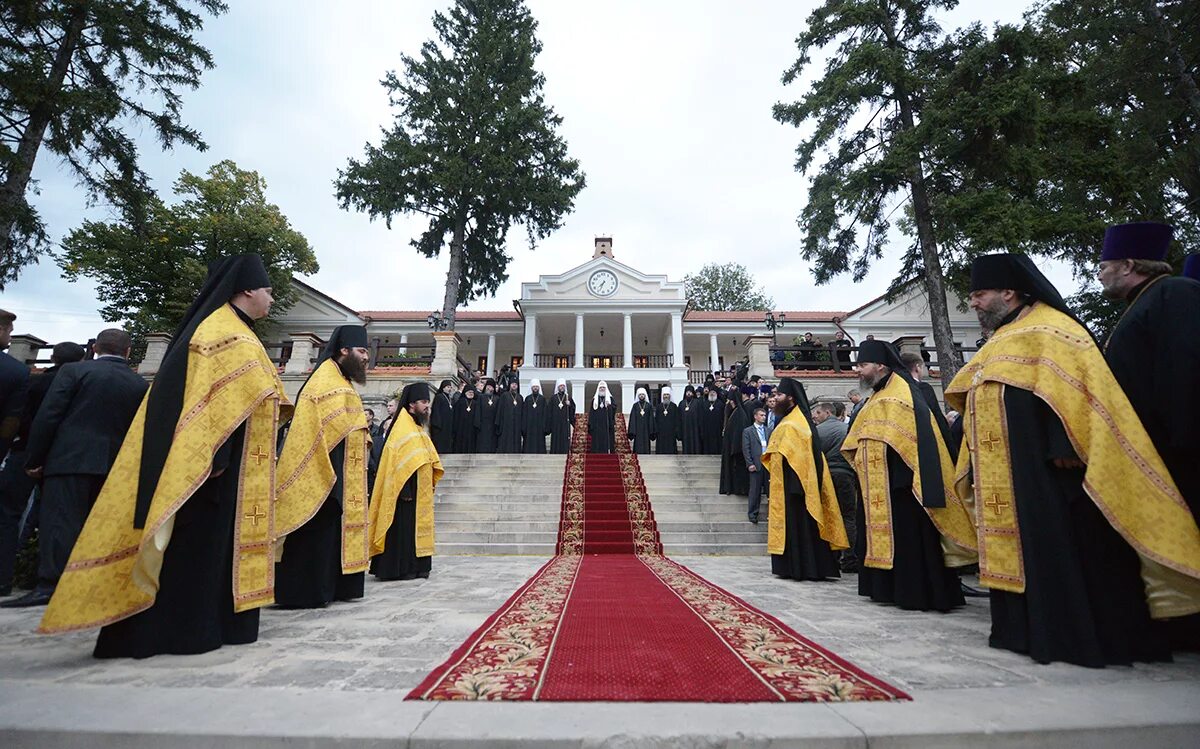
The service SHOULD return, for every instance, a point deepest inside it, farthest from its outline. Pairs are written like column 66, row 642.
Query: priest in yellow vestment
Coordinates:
column 177, row 554
column 401, row 519
column 912, row 529
column 1083, row 536
column 321, row 503
column 804, row 526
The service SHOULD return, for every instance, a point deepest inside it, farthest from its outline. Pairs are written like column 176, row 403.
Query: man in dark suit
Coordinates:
column 14, row 376
column 754, row 444
column 73, row 442
column 15, row 486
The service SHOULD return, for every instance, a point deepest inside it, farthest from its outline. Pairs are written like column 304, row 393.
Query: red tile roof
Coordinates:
column 692, row 315
column 419, row 316
column 757, row 316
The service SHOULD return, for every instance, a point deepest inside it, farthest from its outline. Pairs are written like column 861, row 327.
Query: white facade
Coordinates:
column 605, row 320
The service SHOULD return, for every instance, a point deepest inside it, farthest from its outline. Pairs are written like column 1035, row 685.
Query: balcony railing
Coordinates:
column 839, row 359
column 553, row 361
column 603, row 361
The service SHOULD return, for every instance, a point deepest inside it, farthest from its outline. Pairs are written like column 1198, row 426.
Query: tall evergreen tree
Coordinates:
column 73, row 75
column 866, row 108
column 474, row 147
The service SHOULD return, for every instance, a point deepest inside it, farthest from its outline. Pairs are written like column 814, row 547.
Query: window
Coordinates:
column 602, row 362
column 516, row 362
column 561, row 362
column 482, row 364
column 687, row 362
column 641, row 361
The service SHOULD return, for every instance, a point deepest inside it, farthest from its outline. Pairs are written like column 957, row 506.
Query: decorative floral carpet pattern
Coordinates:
column 610, row 618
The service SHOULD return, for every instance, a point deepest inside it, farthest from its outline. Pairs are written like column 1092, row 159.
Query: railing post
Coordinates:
column 758, row 347
column 445, row 354
column 156, row 349
column 374, row 353
column 25, row 347
column 304, row 348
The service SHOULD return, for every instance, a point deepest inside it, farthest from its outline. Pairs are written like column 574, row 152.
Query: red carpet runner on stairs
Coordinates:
column 610, row 618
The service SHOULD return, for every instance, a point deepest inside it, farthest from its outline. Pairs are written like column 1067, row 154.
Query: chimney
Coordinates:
column 603, row 247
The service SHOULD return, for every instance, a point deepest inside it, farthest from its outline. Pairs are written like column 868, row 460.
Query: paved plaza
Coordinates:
column 341, row 673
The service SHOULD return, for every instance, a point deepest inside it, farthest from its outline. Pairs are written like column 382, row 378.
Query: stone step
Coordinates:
column 496, row 526
column 671, row 548
column 498, row 549
column 475, row 537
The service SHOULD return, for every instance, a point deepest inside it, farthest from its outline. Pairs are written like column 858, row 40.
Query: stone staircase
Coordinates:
column 510, row 504
column 693, row 516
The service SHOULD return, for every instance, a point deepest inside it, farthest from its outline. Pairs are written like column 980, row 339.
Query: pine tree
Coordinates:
column 73, row 75
column 474, row 147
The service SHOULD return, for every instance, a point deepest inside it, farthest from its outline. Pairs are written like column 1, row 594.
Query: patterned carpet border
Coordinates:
column 794, row 667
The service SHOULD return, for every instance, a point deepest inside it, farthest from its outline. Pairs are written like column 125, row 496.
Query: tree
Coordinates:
column 869, row 100
column 73, row 75
column 474, row 147
column 725, row 288
column 150, row 266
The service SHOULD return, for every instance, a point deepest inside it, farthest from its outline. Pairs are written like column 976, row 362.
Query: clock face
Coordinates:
column 602, row 283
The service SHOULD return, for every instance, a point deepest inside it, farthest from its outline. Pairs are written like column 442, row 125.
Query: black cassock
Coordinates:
column 562, row 418
column 919, row 579
column 689, row 426
column 535, row 424
column 399, row 560
column 466, row 424
column 441, row 424
column 1084, row 601
column 485, row 438
column 193, row 610
column 601, row 428
column 666, row 422
column 641, row 426
column 508, row 423
column 310, row 573
column 735, row 477
column 806, row 556
column 712, row 419
column 1153, row 352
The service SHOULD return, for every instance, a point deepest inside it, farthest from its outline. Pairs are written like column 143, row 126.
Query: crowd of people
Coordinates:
column 169, row 515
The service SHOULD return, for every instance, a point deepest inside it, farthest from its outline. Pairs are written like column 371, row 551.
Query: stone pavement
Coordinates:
column 341, row 673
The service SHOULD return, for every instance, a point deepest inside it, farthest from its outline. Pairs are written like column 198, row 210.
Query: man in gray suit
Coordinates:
column 754, row 443
column 832, row 432
column 73, row 442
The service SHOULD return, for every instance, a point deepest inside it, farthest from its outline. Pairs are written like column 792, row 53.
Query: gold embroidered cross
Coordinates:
column 354, row 501
column 877, row 502
column 256, row 515
column 355, row 458
column 991, row 441
column 875, row 460
column 995, row 504
column 258, row 455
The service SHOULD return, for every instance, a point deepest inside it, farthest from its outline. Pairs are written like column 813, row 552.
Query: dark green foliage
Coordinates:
column 74, row 75
column 725, row 287
column 150, row 265
column 473, row 147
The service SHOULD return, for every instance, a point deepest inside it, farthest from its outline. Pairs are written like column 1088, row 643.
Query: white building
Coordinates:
column 605, row 320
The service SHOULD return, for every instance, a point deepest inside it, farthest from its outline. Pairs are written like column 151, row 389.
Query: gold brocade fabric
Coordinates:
column 328, row 412
column 792, row 440
column 888, row 420
column 408, row 449
column 1052, row 356
column 114, row 567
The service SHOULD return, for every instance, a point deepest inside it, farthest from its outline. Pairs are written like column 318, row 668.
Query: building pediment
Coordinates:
column 603, row 279
column 909, row 306
column 317, row 312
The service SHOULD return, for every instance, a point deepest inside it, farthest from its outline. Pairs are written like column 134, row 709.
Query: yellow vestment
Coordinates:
column 114, row 567
column 328, row 412
column 888, row 420
column 408, row 450
column 1049, row 354
column 792, row 440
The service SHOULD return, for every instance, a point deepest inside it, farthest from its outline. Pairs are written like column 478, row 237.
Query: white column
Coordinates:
column 677, row 339
column 578, row 340
column 628, row 362
column 530, row 339
column 403, row 343
column 491, row 355
column 714, row 358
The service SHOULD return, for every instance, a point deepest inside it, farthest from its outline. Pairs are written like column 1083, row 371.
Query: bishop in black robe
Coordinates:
column 689, row 422
column 735, row 477
column 641, row 428
column 488, row 404
column 667, row 424
column 466, row 421
column 602, row 422
column 441, row 419
column 509, row 419
column 562, row 419
column 535, row 421
column 712, row 421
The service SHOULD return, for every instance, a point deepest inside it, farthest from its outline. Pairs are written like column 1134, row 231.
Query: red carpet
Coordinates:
column 610, row 618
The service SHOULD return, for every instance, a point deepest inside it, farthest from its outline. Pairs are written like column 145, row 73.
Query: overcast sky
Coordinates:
column 667, row 105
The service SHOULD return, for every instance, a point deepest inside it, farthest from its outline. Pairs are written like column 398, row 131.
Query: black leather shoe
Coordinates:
column 970, row 592
column 32, row 598
column 753, row 519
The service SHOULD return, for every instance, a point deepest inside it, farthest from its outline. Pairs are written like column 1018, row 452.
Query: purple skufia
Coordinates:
column 1143, row 240
column 1191, row 267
